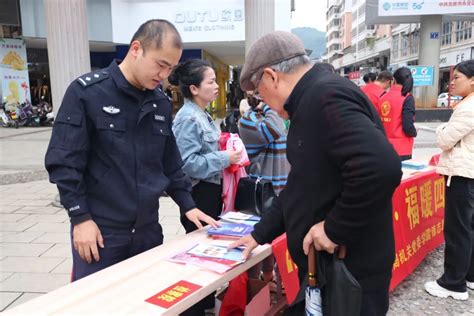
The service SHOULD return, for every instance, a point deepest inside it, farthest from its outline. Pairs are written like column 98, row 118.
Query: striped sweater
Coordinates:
column 264, row 137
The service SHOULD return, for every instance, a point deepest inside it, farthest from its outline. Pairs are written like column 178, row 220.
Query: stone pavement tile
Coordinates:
column 12, row 217
column 35, row 282
column 29, row 264
column 58, row 251
column 50, row 227
column 14, row 227
column 28, row 196
column 23, row 299
column 40, row 218
column 64, row 267
column 55, row 238
column 170, row 229
column 5, row 209
column 32, row 202
column 23, row 249
column 170, row 220
column 5, row 200
column 37, row 210
column 6, row 298
column 4, row 275
column 20, row 237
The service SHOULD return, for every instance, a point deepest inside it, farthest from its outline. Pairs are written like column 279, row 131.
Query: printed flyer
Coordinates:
column 15, row 86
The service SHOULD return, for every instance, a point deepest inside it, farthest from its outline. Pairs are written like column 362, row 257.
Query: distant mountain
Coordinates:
column 312, row 39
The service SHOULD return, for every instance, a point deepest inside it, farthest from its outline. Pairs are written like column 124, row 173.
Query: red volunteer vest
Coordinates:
column 373, row 92
column 390, row 111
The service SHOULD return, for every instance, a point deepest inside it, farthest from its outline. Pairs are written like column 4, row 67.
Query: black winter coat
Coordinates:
column 343, row 171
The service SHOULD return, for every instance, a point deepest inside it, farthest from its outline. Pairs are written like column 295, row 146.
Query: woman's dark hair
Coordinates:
column 369, row 77
column 189, row 73
column 403, row 77
column 466, row 68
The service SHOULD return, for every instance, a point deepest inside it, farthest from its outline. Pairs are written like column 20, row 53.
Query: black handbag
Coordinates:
column 254, row 195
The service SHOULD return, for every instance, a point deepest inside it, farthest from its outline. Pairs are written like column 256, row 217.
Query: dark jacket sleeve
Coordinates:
column 180, row 186
column 369, row 168
column 408, row 116
column 66, row 157
column 272, row 223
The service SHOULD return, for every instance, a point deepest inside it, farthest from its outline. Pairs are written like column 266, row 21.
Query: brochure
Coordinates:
column 239, row 217
column 215, row 258
column 231, row 229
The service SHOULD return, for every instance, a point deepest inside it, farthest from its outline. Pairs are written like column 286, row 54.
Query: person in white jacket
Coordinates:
column 456, row 139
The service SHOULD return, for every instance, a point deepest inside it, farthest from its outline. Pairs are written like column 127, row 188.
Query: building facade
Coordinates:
column 376, row 47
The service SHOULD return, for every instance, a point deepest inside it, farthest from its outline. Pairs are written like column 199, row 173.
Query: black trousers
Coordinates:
column 119, row 245
column 458, row 235
column 208, row 199
column 373, row 304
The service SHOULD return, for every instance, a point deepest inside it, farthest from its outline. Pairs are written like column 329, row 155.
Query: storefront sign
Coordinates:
column 422, row 75
column 203, row 23
column 173, row 294
column 453, row 58
column 418, row 222
column 15, row 86
column 423, row 7
column 354, row 75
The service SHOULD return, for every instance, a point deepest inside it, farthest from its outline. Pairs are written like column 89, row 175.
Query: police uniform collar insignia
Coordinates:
column 111, row 109
column 160, row 118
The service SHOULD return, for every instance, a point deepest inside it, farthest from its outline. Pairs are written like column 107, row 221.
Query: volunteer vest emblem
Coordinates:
column 111, row 109
column 385, row 108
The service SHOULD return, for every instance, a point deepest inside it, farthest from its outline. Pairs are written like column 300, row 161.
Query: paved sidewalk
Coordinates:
column 35, row 251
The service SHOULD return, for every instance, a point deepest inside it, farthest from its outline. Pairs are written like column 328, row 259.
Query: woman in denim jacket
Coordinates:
column 197, row 137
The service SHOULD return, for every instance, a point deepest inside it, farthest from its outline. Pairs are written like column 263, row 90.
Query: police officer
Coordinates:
column 112, row 153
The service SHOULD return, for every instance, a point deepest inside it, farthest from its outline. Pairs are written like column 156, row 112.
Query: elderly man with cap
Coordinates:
column 343, row 169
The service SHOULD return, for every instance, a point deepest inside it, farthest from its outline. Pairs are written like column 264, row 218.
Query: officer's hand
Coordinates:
column 196, row 216
column 234, row 156
column 247, row 241
column 86, row 236
column 318, row 236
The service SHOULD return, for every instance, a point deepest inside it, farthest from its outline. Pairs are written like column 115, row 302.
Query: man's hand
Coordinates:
column 196, row 216
column 247, row 241
column 86, row 236
column 318, row 236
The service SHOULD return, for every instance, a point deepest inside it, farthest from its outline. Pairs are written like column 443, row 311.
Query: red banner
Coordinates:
column 286, row 266
column 173, row 294
column 418, row 220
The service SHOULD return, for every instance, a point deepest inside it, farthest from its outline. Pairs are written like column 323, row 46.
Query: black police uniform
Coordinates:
column 112, row 154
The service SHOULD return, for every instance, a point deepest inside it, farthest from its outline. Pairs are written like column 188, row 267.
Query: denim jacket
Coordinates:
column 197, row 137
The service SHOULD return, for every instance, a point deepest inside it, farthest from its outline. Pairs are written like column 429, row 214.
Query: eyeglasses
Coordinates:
column 256, row 95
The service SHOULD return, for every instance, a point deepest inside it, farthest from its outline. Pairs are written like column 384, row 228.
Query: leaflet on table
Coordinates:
column 409, row 164
column 239, row 217
column 212, row 257
column 231, row 229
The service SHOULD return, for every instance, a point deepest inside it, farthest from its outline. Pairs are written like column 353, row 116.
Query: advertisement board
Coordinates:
column 15, row 86
column 423, row 7
column 422, row 75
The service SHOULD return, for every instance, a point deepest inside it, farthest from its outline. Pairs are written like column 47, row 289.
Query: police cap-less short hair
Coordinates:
column 268, row 50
